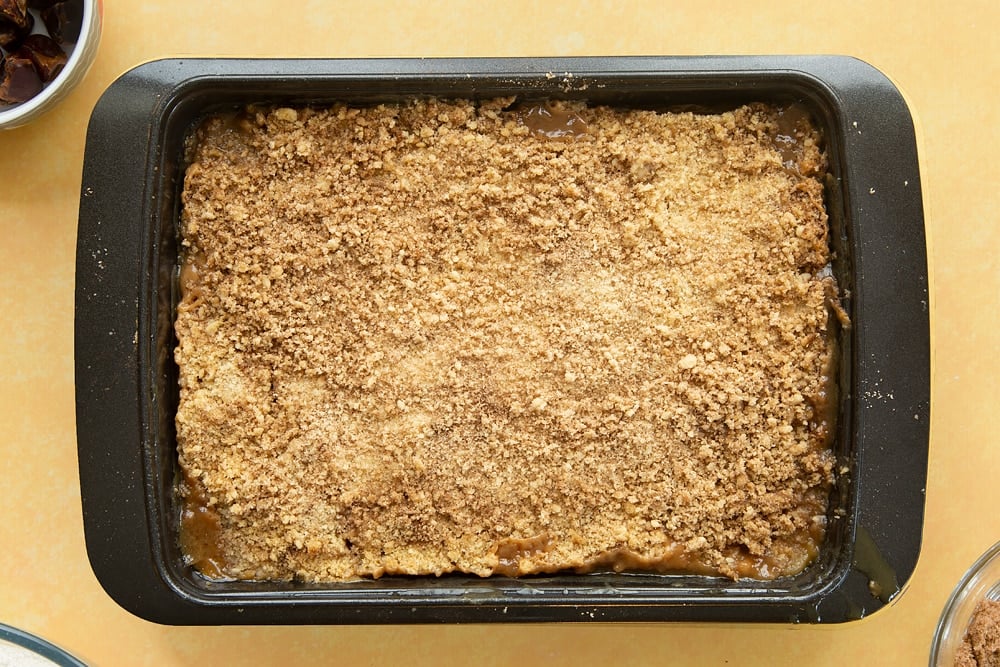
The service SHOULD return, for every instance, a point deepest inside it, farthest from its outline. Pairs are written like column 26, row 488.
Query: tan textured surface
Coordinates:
column 981, row 647
column 414, row 336
column 944, row 58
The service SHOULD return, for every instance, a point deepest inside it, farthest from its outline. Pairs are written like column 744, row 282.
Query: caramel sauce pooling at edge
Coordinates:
column 200, row 530
column 552, row 121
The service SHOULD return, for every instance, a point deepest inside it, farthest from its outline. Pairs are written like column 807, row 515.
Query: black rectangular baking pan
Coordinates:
column 126, row 380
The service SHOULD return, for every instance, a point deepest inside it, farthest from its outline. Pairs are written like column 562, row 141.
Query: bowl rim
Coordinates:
column 972, row 585
column 79, row 58
column 38, row 646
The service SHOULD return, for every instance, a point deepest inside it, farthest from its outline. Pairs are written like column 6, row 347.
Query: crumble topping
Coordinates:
column 980, row 646
column 426, row 338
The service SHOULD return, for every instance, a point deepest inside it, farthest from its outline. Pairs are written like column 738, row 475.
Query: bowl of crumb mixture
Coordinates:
column 968, row 634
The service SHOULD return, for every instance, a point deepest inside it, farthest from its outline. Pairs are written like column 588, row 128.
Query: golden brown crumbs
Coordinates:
column 981, row 645
column 423, row 338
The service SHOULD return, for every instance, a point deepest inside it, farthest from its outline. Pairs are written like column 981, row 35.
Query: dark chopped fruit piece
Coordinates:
column 64, row 20
column 15, row 23
column 19, row 81
column 15, row 11
column 9, row 34
column 46, row 54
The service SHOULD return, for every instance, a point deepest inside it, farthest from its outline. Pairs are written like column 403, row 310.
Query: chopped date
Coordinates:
column 64, row 20
column 20, row 80
column 16, row 22
column 46, row 54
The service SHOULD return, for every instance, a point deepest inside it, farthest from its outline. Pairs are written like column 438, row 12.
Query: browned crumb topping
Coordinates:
column 429, row 338
column 981, row 645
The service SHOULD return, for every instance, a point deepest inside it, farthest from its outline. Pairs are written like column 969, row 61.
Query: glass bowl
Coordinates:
column 981, row 581
column 18, row 647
